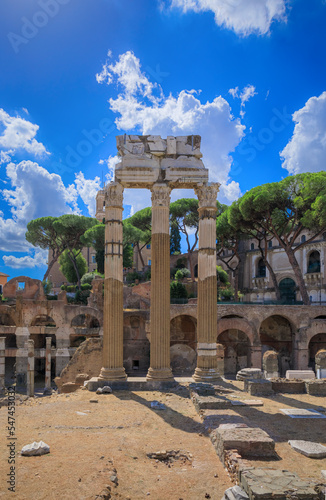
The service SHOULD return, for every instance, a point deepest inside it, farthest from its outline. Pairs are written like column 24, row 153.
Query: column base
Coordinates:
column 206, row 375
column 159, row 374
column 112, row 374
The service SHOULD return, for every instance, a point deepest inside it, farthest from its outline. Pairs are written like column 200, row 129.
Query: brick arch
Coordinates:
column 90, row 311
column 314, row 329
column 237, row 324
column 189, row 311
column 6, row 311
column 293, row 320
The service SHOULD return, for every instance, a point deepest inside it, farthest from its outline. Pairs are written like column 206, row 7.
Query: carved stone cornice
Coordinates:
column 207, row 194
column 114, row 195
column 160, row 195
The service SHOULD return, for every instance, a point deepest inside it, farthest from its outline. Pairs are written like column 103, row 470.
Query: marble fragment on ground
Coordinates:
column 302, row 413
column 35, row 449
column 309, row 449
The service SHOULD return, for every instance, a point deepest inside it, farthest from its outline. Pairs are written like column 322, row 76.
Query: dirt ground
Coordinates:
column 120, row 430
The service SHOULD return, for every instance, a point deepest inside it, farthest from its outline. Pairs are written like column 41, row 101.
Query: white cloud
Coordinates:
column 87, row 189
column 181, row 115
column 19, row 134
column 244, row 96
column 39, row 259
column 306, row 151
column 234, row 92
column 241, row 16
column 5, row 156
column 34, row 193
column 110, row 163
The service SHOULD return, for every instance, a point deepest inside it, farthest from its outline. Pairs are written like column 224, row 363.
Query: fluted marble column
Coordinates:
column 160, row 285
column 48, row 341
column 112, row 368
column 30, row 367
column 207, row 362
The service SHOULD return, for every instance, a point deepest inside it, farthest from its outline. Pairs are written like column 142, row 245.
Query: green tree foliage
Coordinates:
column 178, row 290
column 88, row 277
column 184, row 214
column 284, row 210
column 43, row 234
column 68, row 269
column 137, row 231
column 95, row 237
column 175, row 239
column 128, row 254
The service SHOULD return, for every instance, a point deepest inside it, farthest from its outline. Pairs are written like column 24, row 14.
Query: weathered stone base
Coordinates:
column 210, row 402
column 250, row 442
column 258, row 387
column 157, row 374
column 131, row 384
column 110, row 374
column 286, row 386
column 276, row 484
column 316, row 387
column 206, row 375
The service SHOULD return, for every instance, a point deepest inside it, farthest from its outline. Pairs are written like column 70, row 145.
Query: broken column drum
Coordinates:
column 112, row 368
column 206, row 369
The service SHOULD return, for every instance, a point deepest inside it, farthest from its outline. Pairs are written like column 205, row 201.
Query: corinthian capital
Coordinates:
column 207, row 194
column 160, row 195
column 114, row 195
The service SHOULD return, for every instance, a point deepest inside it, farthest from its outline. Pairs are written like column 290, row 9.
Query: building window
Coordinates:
column 252, row 246
column 261, row 269
column 270, row 244
column 148, row 246
column 303, row 238
column 314, row 262
column 93, row 259
column 0, row 289
column 149, row 262
column 20, row 285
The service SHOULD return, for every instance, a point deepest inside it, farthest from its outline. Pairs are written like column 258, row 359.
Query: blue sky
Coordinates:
column 247, row 75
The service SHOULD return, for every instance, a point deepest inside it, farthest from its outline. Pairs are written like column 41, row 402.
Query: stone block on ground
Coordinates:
column 210, row 402
column 300, row 374
column 69, row 387
column 202, row 388
column 309, row 449
column 81, row 378
column 249, row 373
column 258, row 387
column 302, row 413
column 250, row 442
column 286, row 386
column 35, row 449
column 104, row 390
column 316, row 387
column 277, row 484
column 235, row 493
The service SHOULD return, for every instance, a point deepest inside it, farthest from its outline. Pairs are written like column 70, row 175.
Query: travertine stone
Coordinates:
column 30, row 367
column 112, row 368
column 160, row 291
column 2, row 365
column 207, row 364
column 300, row 374
column 309, row 449
column 270, row 364
column 48, row 363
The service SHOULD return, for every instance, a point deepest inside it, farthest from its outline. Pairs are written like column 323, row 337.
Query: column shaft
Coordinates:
column 113, row 287
column 160, row 286
column 30, row 367
column 207, row 363
column 48, row 363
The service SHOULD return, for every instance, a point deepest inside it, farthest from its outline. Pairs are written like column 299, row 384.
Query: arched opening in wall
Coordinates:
column 136, row 347
column 183, row 335
column 276, row 333
column 287, row 290
column 231, row 316
column 313, row 262
column 320, row 317
column 43, row 320
column 6, row 320
column 261, row 269
column 236, row 350
column 196, row 270
column 317, row 343
column 85, row 326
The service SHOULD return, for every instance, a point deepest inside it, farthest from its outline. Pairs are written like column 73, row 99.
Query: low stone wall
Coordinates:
column 316, row 387
column 288, row 386
column 258, row 387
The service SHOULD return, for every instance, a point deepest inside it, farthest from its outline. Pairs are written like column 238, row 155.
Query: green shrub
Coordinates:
column 132, row 276
column 88, row 277
column 71, row 288
column 81, row 297
column 177, row 290
column 181, row 263
column 63, row 287
column 173, row 271
column 86, row 286
column 182, row 273
column 47, row 286
column 148, row 275
column 52, row 297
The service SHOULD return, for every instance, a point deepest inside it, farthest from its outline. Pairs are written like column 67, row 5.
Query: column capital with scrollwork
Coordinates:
column 160, row 195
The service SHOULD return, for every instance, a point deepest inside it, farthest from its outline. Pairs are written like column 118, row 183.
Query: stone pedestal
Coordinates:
column 256, row 357
column 2, row 365
column 206, row 369
column 62, row 356
column 160, row 286
column 30, row 367
column 112, row 368
column 48, row 363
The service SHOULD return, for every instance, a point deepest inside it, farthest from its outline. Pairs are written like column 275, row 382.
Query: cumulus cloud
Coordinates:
column 244, row 17
column 39, row 259
column 110, row 163
column 34, row 193
column 138, row 108
column 19, row 134
column 244, row 96
column 5, row 156
column 87, row 189
column 306, row 151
